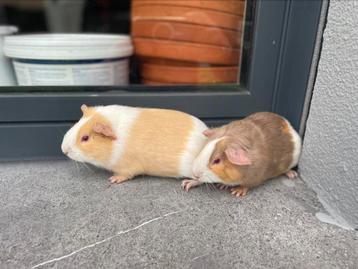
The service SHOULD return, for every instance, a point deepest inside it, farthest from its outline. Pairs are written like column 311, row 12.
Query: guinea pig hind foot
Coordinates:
column 239, row 191
column 291, row 174
column 187, row 184
column 118, row 179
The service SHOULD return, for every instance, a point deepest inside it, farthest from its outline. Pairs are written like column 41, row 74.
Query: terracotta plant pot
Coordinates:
column 184, row 51
column 154, row 83
column 187, row 15
column 236, row 7
column 160, row 61
column 177, row 31
column 188, row 75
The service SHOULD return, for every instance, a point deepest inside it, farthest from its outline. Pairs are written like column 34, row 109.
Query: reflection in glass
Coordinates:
column 175, row 41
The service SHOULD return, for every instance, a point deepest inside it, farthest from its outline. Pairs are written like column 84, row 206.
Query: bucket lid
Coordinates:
column 8, row 29
column 68, row 46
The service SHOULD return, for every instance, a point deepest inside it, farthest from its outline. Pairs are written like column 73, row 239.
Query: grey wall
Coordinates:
column 329, row 161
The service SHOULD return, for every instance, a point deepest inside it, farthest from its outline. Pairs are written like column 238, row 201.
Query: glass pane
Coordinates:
column 151, row 42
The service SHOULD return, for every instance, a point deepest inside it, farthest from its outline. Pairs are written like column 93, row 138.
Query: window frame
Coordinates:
column 32, row 123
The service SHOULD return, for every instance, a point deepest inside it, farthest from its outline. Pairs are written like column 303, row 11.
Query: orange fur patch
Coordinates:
column 225, row 170
column 285, row 127
column 98, row 146
column 155, row 143
column 90, row 111
column 234, row 175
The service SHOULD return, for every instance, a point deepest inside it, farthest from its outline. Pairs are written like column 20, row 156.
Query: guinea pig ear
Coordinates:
column 214, row 131
column 84, row 108
column 207, row 132
column 87, row 110
column 104, row 130
column 238, row 156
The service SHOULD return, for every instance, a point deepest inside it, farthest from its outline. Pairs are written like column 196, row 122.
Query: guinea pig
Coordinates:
column 133, row 141
column 247, row 152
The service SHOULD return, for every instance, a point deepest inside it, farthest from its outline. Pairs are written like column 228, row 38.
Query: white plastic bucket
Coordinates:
column 7, row 77
column 70, row 59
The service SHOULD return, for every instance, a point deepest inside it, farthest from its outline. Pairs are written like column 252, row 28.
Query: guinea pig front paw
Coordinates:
column 291, row 174
column 239, row 191
column 118, row 179
column 187, row 184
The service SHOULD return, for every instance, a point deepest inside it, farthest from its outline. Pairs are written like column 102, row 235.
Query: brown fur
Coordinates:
column 98, row 146
column 150, row 149
column 267, row 140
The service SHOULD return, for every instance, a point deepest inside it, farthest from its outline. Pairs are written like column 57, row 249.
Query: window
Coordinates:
column 176, row 42
column 264, row 51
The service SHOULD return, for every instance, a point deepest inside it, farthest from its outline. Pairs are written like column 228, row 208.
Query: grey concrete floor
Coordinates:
column 59, row 215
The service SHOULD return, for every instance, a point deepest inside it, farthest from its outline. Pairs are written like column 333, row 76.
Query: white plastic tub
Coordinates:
column 7, row 77
column 70, row 59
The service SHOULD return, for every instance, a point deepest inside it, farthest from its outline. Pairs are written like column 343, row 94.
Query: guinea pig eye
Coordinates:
column 216, row 161
column 84, row 138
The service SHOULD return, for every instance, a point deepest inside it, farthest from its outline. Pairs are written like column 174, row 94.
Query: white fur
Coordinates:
column 121, row 119
column 195, row 143
column 69, row 142
column 201, row 169
column 296, row 145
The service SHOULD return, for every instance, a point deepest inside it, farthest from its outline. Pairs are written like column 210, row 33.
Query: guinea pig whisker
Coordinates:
column 60, row 132
column 77, row 168
column 207, row 185
column 210, row 186
column 210, row 191
column 88, row 167
column 83, row 165
column 213, row 186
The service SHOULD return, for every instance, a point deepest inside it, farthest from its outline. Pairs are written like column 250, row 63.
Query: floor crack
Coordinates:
column 106, row 239
column 198, row 257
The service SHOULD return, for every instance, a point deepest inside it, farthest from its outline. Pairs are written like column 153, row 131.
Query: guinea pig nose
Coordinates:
column 65, row 151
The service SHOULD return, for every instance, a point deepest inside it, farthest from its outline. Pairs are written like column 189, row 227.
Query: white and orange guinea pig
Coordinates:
column 132, row 141
column 247, row 152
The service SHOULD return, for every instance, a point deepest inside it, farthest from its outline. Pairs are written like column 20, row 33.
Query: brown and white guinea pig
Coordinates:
column 246, row 153
column 132, row 141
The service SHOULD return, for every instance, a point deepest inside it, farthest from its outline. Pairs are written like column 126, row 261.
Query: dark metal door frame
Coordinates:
column 32, row 123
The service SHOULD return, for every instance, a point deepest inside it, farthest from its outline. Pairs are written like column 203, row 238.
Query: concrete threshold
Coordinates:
column 59, row 214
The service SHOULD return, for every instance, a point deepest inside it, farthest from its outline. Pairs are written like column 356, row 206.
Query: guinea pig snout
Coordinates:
column 65, row 149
